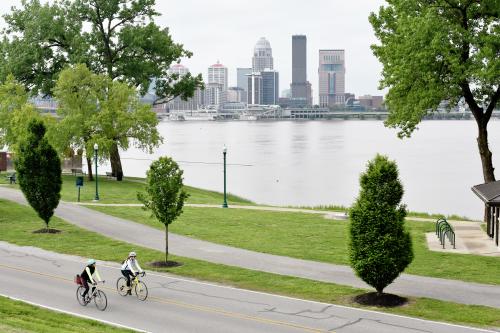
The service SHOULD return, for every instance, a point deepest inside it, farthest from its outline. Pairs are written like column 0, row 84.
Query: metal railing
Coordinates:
column 443, row 230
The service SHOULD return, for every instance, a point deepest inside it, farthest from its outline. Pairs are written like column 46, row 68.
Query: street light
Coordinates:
column 224, row 152
column 96, row 147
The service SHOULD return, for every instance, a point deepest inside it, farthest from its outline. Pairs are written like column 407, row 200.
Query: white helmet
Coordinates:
column 132, row 254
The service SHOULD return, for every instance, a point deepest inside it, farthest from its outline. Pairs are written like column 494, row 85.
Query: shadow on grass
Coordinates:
column 47, row 231
column 163, row 264
column 381, row 300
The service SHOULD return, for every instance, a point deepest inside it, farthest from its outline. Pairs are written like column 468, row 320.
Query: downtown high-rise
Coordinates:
column 300, row 88
column 192, row 103
column 242, row 80
column 331, row 74
column 262, row 56
column 216, row 87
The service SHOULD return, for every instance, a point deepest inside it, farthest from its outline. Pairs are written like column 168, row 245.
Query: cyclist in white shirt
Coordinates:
column 131, row 268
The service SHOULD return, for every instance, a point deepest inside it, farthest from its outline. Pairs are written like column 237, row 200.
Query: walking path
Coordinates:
column 409, row 285
column 334, row 215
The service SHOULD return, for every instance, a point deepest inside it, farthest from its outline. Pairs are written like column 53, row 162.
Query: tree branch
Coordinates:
column 493, row 102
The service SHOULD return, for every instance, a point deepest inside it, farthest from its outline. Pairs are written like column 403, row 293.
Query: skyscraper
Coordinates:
column 179, row 69
column 217, row 74
column 242, row 80
column 214, row 94
column 300, row 88
column 331, row 75
column 262, row 56
column 254, row 88
column 270, row 87
column 192, row 103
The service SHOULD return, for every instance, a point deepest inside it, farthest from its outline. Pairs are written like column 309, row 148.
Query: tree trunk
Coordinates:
column 116, row 164
column 485, row 153
column 89, row 168
column 166, row 243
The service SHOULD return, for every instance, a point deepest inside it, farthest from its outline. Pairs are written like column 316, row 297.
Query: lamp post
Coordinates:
column 224, row 152
column 96, row 147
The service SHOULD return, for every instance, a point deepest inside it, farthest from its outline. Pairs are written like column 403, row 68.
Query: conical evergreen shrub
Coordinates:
column 380, row 247
column 38, row 170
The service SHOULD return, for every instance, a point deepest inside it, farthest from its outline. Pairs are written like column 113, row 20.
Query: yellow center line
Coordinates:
column 187, row 305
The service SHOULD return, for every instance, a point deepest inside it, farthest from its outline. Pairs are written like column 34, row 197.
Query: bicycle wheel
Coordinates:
column 121, row 286
column 141, row 290
column 79, row 296
column 100, row 300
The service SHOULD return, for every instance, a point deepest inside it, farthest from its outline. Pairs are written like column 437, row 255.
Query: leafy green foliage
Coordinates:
column 15, row 113
column 114, row 37
column 380, row 247
column 442, row 50
column 434, row 51
column 165, row 193
column 39, row 171
column 96, row 109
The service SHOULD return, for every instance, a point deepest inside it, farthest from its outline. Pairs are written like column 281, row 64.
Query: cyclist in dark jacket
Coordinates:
column 86, row 276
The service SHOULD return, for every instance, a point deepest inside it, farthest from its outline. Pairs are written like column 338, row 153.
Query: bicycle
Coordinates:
column 99, row 297
column 139, row 287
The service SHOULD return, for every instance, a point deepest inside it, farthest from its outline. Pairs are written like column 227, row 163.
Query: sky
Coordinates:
column 227, row 30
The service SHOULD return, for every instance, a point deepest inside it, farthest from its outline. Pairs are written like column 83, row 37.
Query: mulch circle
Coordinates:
column 47, row 231
column 168, row 264
column 382, row 300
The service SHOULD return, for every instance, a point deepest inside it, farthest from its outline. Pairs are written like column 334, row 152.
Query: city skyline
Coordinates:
column 220, row 30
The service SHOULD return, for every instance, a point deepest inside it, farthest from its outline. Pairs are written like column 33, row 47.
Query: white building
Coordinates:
column 177, row 103
column 331, row 73
column 254, row 88
column 217, row 73
column 262, row 56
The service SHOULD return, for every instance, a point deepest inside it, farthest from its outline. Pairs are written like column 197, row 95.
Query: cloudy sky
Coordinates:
column 227, row 30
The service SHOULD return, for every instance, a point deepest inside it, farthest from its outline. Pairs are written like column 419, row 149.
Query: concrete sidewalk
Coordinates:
column 409, row 285
column 469, row 239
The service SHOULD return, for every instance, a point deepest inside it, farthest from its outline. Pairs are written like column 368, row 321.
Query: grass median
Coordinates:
column 17, row 224
column 17, row 317
column 311, row 237
column 125, row 192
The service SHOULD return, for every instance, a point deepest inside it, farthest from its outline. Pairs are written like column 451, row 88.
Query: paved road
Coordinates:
column 181, row 305
column 409, row 285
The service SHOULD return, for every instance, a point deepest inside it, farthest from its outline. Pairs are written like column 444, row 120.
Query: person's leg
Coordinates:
column 127, row 274
column 86, row 286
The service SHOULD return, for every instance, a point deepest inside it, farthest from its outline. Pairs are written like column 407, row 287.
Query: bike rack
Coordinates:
column 443, row 230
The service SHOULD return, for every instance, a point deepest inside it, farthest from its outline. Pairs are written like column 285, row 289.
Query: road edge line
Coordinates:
column 73, row 313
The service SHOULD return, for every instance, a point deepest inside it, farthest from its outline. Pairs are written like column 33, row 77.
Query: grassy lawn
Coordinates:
column 17, row 223
column 17, row 317
column 125, row 192
column 311, row 237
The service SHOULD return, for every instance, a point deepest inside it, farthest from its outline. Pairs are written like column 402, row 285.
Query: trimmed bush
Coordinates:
column 38, row 169
column 380, row 247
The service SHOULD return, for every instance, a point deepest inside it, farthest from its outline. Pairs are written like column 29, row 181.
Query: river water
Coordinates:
column 318, row 162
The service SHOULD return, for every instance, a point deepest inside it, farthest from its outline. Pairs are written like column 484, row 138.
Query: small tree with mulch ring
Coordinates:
column 380, row 247
column 38, row 169
column 164, row 195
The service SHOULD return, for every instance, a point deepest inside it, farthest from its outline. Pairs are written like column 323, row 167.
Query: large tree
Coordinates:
column 39, row 172
column 118, row 38
column 436, row 50
column 96, row 109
